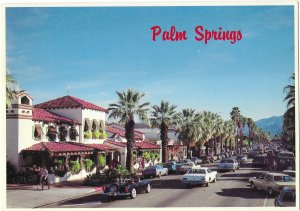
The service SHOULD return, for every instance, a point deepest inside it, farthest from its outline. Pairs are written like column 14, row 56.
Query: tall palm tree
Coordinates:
column 125, row 109
column 228, row 133
column 187, row 127
column 289, row 115
column 219, row 127
column 235, row 115
column 163, row 116
column 250, row 124
column 11, row 89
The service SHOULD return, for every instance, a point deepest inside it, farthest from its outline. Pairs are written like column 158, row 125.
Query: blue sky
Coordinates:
column 91, row 53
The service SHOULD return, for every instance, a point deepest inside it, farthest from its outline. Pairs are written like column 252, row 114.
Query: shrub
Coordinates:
column 147, row 156
column 96, row 134
column 59, row 164
column 118, row 172
column 95, row 179
column 101, row 160
column 88, row 164
column 103, row 135
column 75, row 167
column 134, row 157
column 88, row 135
column 152, row 156
column 157, row 156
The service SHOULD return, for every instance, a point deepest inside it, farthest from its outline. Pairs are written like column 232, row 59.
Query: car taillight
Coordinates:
column 126, row 189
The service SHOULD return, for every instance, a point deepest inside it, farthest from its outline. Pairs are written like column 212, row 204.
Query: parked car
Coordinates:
column 186, row 167
column 180, row 163
column 286, row 198
column 259, row 160
column 153, row 171
column 242, row 159
column 127, row 188
column 286, row 154
column 199, row 175
column 228, row 164
column 205, row 160
column 291, row 173
column 271, row 182
column 196, row 160
column 171, row 166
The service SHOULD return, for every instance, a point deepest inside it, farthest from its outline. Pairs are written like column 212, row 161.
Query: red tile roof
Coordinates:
column 142, row 144
column 67, row 147
column 69, row 102
column 46, row 116
column 101, row 147
column 58, row 147
column 121, row 132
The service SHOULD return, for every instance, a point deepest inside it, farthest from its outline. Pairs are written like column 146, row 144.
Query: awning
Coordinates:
column 87, row 124
column 102, row 127
column 38, row 131
column 52, row 130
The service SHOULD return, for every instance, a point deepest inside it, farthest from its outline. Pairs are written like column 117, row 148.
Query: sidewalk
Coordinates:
column 28, row 196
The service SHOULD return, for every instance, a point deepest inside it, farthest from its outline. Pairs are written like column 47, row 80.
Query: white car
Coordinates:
column 186, row 167
column 228, row 164
column 199, row 175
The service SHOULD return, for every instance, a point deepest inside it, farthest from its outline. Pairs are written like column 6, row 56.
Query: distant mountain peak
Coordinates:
column 272, row 125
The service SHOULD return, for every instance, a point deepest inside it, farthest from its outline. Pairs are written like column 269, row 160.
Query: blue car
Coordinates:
column 171, row 166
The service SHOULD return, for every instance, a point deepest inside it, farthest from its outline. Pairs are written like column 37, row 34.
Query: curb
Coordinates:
column 97, row 189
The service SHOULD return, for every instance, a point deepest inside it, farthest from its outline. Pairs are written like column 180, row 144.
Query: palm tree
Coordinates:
column 228, row 133
column 11, row 89
column 163, row 116
column 125, row 109
column 250, row 124
column 289, row 115
column 187, row 127
column 235, row 115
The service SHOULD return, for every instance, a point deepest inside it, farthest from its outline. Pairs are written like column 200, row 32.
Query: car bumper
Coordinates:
column 194, row 182
column 116, row 194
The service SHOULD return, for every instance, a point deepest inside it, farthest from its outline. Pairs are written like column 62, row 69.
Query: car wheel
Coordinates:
column 252, row 186
column 207, row 184
column 270, row 191
column 159, row 175
column 148, row 189
column 187, row 186
column 215, row 180
column 233, row 170
column 133, row 193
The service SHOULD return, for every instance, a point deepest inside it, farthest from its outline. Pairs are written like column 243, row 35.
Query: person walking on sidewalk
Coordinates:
column 44, row 178
column 39, row 176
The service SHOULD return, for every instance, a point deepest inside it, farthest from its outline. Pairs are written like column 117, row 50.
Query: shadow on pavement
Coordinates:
column 167, row 184
column 246, row 193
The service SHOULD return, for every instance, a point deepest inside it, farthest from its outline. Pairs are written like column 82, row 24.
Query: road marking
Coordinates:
column 265, row 201
column 89, row 203
column 212, row 195
column 156, row 194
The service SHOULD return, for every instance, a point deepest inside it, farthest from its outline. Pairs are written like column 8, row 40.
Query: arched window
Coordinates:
column 51, row 133
column 63, row 133
column 25, row 100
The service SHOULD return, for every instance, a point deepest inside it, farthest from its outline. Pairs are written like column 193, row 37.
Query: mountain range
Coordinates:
column 273, row 125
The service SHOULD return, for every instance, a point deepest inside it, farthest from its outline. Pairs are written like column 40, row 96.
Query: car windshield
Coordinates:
column 283, row 179
column 197, row 171
column 288, row 196
column 226, row 161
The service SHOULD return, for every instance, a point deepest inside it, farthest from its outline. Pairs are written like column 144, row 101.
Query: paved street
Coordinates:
column 230, row 190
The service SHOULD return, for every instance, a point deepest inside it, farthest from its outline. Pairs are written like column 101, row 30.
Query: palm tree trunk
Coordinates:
column 221, row 144
column 215, row 146
column 129, row 134
column 164, row 140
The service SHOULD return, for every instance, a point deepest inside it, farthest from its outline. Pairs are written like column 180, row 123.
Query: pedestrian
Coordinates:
column 38, row 176
column 44, row 176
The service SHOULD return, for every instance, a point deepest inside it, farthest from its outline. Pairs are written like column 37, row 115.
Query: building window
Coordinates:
column 25, row 100
column 73, row 133
column 87, row 125
column 51, row 133
column 63, row 133
column 38, row 131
